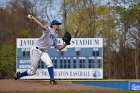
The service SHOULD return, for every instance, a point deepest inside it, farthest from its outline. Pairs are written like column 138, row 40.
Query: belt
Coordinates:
column 40, row 49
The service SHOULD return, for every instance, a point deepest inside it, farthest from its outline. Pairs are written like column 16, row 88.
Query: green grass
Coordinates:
column 86, row 91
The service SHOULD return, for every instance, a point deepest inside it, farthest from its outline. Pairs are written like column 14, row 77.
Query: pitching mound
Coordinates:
column 32, row 85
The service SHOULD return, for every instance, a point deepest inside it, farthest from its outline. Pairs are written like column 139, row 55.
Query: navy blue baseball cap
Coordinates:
column 55, row 22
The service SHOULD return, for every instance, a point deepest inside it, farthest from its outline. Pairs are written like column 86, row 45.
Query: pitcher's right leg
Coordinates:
column 35, row 55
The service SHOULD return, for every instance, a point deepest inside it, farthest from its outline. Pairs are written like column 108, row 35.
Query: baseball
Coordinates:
column 30, row 16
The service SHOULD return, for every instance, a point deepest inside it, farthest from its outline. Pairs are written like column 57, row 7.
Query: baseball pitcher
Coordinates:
column 39, row 51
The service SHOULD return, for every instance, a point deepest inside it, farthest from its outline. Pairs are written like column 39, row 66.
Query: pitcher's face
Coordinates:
column 56, row 27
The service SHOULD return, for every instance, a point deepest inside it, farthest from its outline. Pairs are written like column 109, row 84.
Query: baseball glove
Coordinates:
column 67, row 38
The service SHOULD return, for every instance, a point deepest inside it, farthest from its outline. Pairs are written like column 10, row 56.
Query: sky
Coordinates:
column 4, row 3
column 53, row 11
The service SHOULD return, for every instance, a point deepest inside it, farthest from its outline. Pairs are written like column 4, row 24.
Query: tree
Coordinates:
column 88, row 18
column 7, row 60
column 20, row 10
column 128, row 21
column 14, row 24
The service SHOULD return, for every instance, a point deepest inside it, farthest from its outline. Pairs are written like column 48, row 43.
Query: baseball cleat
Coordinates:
column 17, row 75
column 53, row 82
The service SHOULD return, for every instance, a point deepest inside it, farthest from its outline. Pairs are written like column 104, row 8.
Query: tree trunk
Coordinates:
column 136, row 60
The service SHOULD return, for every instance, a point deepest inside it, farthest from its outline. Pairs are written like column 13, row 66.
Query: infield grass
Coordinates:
column 86, row 91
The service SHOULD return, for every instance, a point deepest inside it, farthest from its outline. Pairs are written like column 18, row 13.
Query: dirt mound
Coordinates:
column 37, row 85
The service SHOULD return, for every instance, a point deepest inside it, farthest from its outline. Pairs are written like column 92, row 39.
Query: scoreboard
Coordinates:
column 83, row 59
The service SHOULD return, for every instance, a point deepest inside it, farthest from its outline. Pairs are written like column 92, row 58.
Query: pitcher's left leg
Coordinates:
column 47, row 60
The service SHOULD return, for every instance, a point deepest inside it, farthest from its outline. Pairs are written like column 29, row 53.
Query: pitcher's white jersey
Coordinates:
column 48, row 39
column 38, row 52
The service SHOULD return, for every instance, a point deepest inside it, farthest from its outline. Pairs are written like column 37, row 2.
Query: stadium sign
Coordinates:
column 83, row 59
column 134, row 85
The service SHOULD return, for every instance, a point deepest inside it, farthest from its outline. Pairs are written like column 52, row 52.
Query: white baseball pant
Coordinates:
column 35, row 56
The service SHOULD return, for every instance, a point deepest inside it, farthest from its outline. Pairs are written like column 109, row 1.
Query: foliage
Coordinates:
column 7, row 60
column 129, row 39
